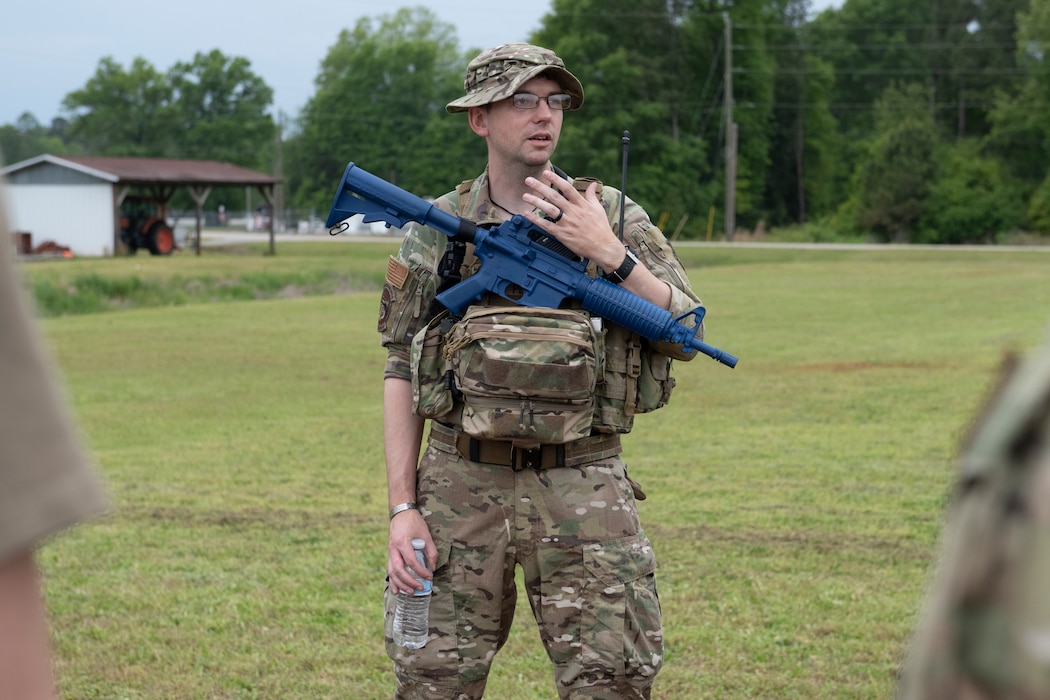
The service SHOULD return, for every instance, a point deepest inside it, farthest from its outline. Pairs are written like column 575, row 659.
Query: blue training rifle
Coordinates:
column 519, row 261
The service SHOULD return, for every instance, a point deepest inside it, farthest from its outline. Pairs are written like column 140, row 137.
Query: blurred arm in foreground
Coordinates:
column 46, row 484
column 985, row 632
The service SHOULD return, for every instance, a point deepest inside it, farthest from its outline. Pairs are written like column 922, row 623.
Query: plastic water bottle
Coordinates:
column 412, row 616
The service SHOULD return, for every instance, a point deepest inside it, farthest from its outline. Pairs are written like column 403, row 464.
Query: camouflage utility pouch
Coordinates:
column 431, row 388
column 526, row 375
column 637, row 380
column 655, row 381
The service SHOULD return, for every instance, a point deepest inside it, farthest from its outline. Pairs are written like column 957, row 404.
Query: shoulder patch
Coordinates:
column 396, row 272
column 386, row 303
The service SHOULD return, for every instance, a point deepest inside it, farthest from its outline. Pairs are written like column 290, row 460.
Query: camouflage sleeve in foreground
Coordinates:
column 985, row 632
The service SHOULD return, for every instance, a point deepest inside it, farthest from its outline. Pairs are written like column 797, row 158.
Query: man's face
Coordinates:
column 522, row 136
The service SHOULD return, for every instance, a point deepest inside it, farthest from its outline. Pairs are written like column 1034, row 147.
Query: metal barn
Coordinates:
column 76, row 202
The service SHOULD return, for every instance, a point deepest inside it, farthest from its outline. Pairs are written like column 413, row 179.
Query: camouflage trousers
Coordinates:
column 588, row 572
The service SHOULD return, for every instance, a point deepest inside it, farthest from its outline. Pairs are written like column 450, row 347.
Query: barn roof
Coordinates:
column 152, row 171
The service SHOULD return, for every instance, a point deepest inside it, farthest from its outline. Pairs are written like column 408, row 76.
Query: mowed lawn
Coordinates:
column 794, row 502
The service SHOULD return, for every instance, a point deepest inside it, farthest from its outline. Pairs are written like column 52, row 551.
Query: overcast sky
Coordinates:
column 49, row 48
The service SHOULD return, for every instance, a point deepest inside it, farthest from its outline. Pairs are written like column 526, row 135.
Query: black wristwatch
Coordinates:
column 621, row 273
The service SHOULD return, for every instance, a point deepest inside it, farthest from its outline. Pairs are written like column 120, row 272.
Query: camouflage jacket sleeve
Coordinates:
column 656, row 253
column 408, row 293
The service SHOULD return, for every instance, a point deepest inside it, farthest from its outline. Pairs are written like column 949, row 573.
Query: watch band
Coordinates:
column 621, row 273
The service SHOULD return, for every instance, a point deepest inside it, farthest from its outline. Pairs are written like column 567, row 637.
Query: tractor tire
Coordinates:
column 159, row 238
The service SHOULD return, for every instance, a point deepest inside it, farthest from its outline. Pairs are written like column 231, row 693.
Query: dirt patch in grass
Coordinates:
column 276, row 518
column 861, row 366
column 817, row 542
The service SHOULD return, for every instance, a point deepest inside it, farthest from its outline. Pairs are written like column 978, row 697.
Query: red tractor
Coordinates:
column 142, row 225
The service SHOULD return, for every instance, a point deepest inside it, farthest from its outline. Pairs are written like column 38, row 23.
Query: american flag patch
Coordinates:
column 396, row 272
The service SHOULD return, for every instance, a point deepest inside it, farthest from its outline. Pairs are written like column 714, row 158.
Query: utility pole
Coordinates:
column 278, row 201
column 731, row 132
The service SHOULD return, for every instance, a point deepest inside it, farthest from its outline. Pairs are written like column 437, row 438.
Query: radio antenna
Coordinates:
column 623, row 181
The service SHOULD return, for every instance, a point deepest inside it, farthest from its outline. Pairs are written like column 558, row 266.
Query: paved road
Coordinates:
column 220, row 237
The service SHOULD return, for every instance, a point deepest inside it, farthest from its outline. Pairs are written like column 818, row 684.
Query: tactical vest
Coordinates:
column 551, row 376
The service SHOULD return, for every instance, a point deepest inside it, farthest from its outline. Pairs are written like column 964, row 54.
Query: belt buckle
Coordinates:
column 526, row 457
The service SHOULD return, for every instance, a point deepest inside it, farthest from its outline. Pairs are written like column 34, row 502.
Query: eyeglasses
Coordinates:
column 526, row 100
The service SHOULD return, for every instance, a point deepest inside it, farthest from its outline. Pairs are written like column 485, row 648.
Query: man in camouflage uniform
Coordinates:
column 985, row 633
column 565, row 513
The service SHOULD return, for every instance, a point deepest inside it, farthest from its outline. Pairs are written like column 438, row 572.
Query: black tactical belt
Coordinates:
column 582, row 451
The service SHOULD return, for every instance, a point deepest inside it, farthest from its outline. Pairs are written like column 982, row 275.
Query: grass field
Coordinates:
column 794, row 502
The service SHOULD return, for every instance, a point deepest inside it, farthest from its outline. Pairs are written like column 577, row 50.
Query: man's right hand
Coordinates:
column 402, row 436
column 405, row 527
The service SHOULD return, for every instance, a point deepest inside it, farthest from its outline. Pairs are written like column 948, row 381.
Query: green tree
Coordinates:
column 28, row 138
column 891, row 184
column 871, row 44
column 804, row 178
column 754, row 24
column 962, row 50
column 219, row 109
column 122, row 112
column 970, row 48
column 633, row 58
column 1020, row 134
column 970, row 199
column 379, row 88
column 1038, row 210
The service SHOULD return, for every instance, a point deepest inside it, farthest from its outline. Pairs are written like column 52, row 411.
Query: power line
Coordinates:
column 850, row 27
column 860, row 106
column 1020, row 72
column 822, row 47
column 707, row 83
column 711, row 111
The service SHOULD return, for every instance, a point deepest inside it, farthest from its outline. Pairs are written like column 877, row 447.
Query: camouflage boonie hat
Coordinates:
column 497, row 73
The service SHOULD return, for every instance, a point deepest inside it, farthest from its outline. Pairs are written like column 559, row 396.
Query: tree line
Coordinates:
column 885, row 119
